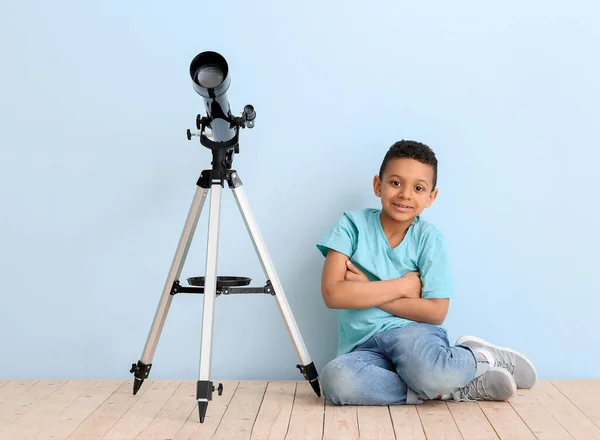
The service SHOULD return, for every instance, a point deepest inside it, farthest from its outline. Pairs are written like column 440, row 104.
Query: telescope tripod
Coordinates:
column 212, row 181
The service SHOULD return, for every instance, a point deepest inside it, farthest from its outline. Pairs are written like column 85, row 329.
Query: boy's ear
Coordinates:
column 432, row 197
column 377, row 185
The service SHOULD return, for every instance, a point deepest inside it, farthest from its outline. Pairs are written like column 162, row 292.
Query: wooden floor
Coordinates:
column 162, row 410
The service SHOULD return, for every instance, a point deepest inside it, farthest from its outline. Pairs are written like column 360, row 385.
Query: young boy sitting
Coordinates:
column 387, row 272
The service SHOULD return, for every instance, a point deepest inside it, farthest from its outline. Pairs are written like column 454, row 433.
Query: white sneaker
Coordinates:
column 512, row 361
column 496, row 384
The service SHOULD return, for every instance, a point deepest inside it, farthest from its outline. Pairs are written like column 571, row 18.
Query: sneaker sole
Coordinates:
column 464, row 339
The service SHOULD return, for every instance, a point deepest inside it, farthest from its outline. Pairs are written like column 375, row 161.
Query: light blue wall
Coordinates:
column 96, row 173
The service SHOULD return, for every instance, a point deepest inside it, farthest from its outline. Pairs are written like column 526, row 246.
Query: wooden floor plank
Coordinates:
column 471, row 421
column 74, row 414
column 437, row 421
column 171, row 418
column 284, row 410
column 142, row 413
column 308, row 414
column 29, row 425
column 375, row 423
column 506, row 422
column 275, row 411
column 530, row 407
column 241, row 414
column 341, row 422
column 193, row 429
column 568, row 415
column 97, row 424
column 21, row 404
column 583, row 394
column 407, row 423
column 13, row 389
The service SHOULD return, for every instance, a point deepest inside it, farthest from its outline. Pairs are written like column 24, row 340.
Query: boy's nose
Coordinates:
column 404, row 193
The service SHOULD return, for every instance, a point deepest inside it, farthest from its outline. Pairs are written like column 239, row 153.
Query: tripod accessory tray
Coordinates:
column 221, row 281
column 227, row 285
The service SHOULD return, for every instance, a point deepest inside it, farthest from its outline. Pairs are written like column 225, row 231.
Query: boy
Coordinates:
column 387, row 272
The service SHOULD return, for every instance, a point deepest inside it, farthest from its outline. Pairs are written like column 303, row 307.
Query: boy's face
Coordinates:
column 405, row 189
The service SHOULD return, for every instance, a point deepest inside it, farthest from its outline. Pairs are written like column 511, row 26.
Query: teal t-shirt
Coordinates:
column 359, row 235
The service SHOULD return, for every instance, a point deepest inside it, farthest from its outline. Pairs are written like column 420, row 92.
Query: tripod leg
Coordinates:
column 307, row 367
column 204, row 386
column 141, row 370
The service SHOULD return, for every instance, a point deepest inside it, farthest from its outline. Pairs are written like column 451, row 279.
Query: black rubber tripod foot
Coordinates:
column 315, row 386
column 204, row 390
column 140, row 372
column 311, row 375
column 202, row 407
column 137, row 384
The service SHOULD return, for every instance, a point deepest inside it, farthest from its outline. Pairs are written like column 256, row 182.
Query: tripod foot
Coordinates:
column 202, row 407
column 137, row 384
column 310, row 373
column 315, row 386
column 204, row 390
column 140, row 372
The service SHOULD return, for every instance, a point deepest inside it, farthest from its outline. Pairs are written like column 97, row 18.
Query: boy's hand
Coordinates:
column 411, row 285
column 353, row 273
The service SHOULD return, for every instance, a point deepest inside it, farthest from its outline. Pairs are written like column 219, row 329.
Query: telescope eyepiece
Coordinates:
column 249, row 115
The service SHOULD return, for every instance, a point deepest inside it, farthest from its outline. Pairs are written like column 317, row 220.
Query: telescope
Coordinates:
column 209, row 72
column 210, row 78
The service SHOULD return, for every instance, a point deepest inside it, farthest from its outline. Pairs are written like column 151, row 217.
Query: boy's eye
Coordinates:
column 395, row 183
column 419, row 188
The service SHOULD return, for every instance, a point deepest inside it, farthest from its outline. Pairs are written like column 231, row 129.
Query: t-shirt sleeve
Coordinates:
column 341, row 237
column 434, row 267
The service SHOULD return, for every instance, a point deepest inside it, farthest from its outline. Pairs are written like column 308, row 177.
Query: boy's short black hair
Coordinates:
column 412, row 150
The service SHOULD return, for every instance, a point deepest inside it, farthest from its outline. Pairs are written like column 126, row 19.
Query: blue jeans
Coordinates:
column 404, row 365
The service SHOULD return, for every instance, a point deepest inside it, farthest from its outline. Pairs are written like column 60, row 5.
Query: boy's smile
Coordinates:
column 402, row 207
column 405, row 189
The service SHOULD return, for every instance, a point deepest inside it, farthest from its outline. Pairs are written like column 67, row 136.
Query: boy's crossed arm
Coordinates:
column 412, row 306
column 428, row 310
column 358, row 292
column 344, row 286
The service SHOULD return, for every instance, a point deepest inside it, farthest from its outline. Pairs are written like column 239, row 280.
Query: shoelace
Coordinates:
column 505, row 362
column 474, row 391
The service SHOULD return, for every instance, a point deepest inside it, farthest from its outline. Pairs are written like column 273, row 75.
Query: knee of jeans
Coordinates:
column 433, row 382
column 337, row 383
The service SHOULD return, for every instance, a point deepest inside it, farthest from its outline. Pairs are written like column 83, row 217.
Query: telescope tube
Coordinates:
column 210, row 76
